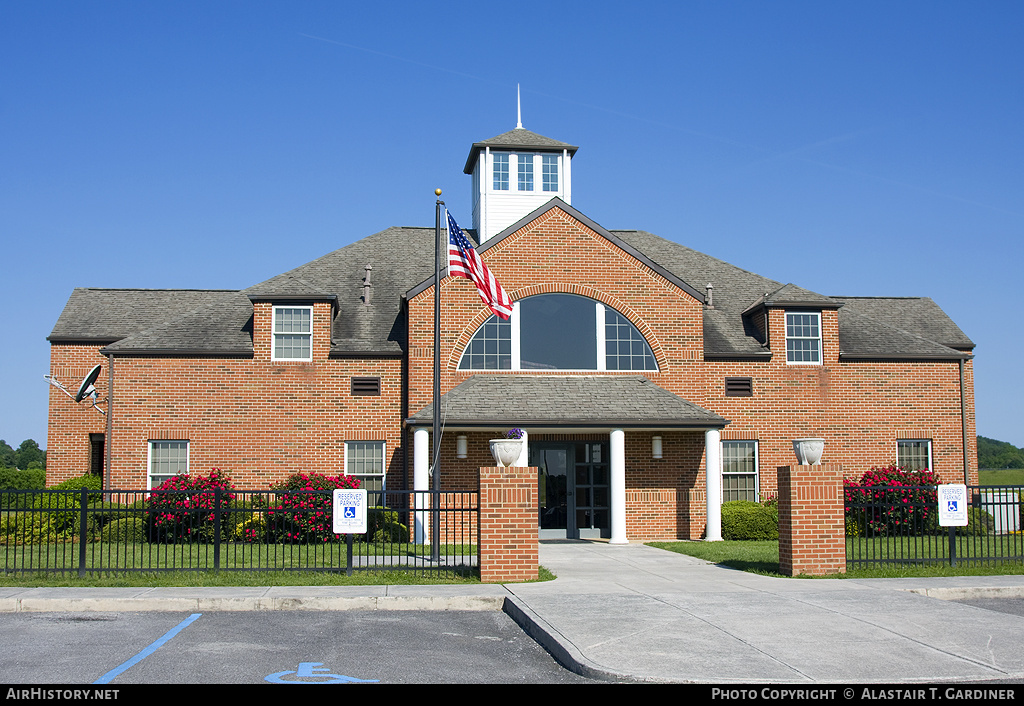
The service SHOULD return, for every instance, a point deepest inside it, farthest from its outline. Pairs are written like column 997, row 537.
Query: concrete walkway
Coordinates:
column 635, row 613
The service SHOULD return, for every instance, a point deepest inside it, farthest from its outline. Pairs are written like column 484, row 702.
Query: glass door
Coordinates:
column 572, row 489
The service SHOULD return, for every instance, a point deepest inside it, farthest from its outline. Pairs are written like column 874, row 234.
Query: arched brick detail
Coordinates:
column 474, row 324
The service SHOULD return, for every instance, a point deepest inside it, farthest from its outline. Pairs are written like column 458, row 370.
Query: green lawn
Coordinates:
column 1011, row 476
column 762, row 557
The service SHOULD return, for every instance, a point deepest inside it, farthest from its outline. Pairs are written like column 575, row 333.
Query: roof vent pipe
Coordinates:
column 710, row 301
column 367, row 285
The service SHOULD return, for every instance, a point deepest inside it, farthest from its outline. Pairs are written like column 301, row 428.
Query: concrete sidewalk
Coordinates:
column 635, row 613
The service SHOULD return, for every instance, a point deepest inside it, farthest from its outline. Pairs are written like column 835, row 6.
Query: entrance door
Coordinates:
column 573, row 489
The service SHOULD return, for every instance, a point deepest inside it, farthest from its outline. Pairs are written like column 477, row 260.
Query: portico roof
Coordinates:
column 544, row 400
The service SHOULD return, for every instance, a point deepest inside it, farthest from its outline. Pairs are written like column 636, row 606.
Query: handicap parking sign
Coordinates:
column 349, row 510
column 952, row 505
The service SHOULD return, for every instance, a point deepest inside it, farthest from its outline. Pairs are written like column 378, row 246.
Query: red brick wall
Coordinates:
column 69, row 424
column 258, row 419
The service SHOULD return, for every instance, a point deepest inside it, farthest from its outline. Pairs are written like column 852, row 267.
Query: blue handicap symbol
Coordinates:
column 951, row 505
column 350, row 513
column 313, row 673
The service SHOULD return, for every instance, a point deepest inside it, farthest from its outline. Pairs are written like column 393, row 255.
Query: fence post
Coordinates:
column 216, row 529
column 82, row 521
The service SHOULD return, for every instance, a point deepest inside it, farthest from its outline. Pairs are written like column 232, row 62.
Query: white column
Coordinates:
column 420, row 481
column 617, row 464
column 713, row 484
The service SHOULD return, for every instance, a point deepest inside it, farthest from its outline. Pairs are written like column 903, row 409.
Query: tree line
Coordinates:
column 994, row 455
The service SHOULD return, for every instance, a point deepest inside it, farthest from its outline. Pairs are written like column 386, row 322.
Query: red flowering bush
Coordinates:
column 300, row 513
column 182, row 508
column 891, row 500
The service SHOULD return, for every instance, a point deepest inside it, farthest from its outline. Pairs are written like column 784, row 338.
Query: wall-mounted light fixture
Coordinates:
column 655, row 447
column 461, row 446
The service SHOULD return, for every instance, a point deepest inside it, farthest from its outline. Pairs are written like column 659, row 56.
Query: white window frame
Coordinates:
column 600, row 333
column 555, row 162
column 383, row 460
column 504, row 184
column 275, row 333
column 817, row 317
column 149, row 460
column 757, row 466
column 914, row 441
column 526, row 160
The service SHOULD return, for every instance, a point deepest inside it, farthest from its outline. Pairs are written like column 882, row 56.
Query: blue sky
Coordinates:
column 852, row 148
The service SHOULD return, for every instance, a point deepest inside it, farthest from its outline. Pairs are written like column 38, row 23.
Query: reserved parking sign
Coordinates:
column 349, row 509
column 953, row 505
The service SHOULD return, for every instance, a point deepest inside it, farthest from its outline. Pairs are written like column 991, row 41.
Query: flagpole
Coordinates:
column 436, row 480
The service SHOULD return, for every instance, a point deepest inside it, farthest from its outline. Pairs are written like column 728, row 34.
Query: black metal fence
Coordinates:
column 88, row 531
column 900, row 525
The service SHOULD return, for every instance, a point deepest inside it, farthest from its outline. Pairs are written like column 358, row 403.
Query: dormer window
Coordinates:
column 293, row 333
column 803, row 338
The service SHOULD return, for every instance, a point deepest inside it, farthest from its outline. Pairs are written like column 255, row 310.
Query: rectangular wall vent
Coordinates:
column 366, row 386
column 739, row 387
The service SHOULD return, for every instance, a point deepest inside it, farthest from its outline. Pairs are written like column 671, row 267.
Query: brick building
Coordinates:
column 635, row 365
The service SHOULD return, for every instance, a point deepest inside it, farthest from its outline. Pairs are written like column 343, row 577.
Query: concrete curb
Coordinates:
column 962, row 593
column 209, row 604
column 558, row 645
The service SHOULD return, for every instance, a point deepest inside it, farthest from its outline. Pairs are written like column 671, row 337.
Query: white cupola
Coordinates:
column 515, row 173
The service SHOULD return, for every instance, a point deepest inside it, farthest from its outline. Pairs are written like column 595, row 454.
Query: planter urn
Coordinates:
column 809, row 451
column 506, row 451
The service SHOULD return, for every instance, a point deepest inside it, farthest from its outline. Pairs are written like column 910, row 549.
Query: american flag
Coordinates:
column 464, row 262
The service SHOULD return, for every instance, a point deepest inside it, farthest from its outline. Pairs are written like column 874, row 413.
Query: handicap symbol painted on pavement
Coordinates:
column 313, row 673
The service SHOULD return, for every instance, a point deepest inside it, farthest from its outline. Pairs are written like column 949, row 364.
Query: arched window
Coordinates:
column 558, row 332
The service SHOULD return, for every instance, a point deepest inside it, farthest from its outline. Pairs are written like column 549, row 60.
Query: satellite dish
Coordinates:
column 87, row 387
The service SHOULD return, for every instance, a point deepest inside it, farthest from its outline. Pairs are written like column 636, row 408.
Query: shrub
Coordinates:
column 14, row 479
column 129, row 530
column 382, row 525
column 891, row 500
column 182, row 508
column 747, row 520
column 301, row 511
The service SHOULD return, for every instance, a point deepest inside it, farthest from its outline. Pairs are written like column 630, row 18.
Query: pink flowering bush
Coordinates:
column 182, row 508
column 300, row 513
column 891, row 500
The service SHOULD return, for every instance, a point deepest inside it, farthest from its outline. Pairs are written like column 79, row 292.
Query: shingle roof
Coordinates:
column 219, row 321
column 106, row 315
column 566, row 400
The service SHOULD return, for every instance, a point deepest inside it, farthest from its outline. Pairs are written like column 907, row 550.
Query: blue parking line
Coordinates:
column 113, row 673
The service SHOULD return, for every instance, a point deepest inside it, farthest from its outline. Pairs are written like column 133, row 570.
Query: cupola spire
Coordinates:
column 519, row 110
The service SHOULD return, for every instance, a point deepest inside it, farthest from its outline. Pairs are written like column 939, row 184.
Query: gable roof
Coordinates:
column 218, row 322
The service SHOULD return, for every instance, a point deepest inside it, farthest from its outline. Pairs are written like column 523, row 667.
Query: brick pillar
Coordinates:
column 508, row 524
column 812, row 531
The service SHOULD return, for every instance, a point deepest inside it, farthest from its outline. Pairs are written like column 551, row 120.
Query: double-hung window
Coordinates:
column 166, row 460
column 365, row 461
column 914, row 454
column 739, row 470
column 803, row 338
column 293, row 333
